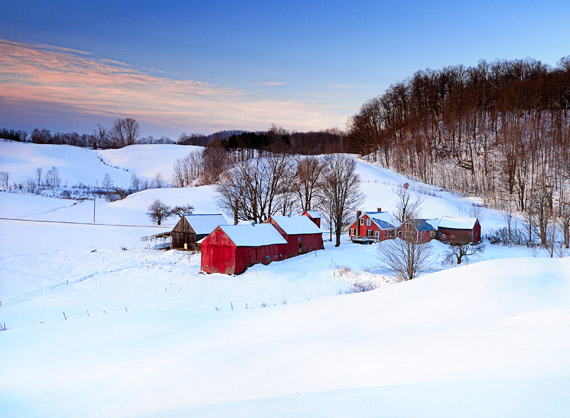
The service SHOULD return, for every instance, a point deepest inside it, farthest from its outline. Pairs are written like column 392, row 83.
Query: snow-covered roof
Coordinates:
column 457, row 223
column 384, row 220
column 253, row 235
column 296, row 225
column 315, row 214
column 433, row 222
column 422, row 225
column 205, row 223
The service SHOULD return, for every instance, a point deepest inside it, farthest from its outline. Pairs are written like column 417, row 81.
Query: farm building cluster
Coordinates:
column 231, row 249
column 378, row 226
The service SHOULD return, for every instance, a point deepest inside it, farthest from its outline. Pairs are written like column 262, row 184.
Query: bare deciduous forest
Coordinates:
column 498, row 130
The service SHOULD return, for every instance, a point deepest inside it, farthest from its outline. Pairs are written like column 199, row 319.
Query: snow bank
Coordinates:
column 489, row 322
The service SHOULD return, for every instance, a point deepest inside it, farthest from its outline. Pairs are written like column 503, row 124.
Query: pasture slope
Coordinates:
column 97, row 324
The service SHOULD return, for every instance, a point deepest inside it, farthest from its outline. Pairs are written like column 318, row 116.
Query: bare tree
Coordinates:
column 403, row 258
column 135, row 183
column 52, row 178
column 458, row 253
column 407, row 207
column 39, row 175
column 107, row 182
column 215, row 161
column 340, row 192
column 230, row 194
column 31, row 185
column 253, row 190
column 188, row 169
column 99, row 137
column 158, row 182
column 4, row 180
column 564, row 220
column 158, row 211
column 182, row 210
column 125, row 132
column 307, row 181
column 539, row 210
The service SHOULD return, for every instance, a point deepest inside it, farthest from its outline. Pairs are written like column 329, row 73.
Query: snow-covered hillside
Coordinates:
column 85, row 166
column 97, row 324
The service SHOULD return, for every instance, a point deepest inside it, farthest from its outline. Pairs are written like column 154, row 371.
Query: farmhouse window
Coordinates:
column 453, row 237
column 407, row 225
column 377, row 234
column 361, row 221
column 368, row 232
column 351, row 231
column 298, row 238
column 400, row 234
column 406, row 234
column 267, row 257
column 443, row 236
column 367, row 222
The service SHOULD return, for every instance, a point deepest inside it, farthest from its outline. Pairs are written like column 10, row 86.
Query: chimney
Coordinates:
column 379, row 210
column 358, row 214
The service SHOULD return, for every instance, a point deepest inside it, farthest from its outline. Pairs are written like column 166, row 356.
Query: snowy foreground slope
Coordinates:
column 99, row 325
column 490, row 339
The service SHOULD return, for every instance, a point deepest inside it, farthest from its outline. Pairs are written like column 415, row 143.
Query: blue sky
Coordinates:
column 205, row 66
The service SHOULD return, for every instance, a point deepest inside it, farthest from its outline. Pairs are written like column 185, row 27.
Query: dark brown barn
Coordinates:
column 230, row 249
column 301, row 233
column 416, row 230
column 192, row 228
column 457, row 231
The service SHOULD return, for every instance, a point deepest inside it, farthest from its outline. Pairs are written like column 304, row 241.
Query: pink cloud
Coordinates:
column 33, row 73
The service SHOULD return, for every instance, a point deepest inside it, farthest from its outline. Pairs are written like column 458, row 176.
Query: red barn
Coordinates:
column 230, row 249
column 459, row 230
column 301, row 233
column 373, row 226
column 417, row 230
column 315, row 216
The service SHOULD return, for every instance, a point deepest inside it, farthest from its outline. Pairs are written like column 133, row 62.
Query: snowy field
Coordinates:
column 97, row 324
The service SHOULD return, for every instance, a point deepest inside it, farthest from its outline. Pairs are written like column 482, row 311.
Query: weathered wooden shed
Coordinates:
column 457, row 231
column 230, row 249
column 301, row 233
column 192, row 228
